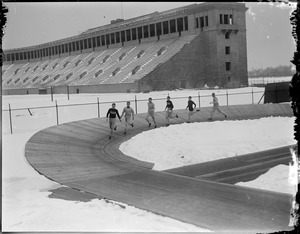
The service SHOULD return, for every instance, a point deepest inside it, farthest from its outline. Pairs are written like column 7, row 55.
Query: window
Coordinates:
column 221, row 19
column 180, row 24
column 230, row 19
column 172, row 26
column 140, row 32
column 227, row 35
column 152, row 30
column 158, row 28
column 197, row 22
column 228, row 66
column 226, row 19
column 62, row 49
column 206, row 20
column 186, row 23
column 107, row 39
column 90, row 43
column 98, row 41
column 77, row 45
column 227, row 50
column 133, row 33
column 117, row 37
column 85, row 44
column 102, row 40
column 112, row 36
column 128, row 35
column 201, row 22
column 81, row 44
column 122, row 36
column 94, row 42
column 165, row 27
column 146, row 31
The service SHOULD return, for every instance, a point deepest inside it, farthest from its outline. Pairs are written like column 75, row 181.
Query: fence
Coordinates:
column 252, row 81
column 38, row 117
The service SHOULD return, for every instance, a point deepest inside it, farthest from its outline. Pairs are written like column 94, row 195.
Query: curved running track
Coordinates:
column 80, row 156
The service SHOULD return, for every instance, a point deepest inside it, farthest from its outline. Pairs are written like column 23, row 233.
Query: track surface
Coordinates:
column 80, row 156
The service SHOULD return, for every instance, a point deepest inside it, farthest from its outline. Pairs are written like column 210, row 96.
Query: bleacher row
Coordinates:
column 111, row 66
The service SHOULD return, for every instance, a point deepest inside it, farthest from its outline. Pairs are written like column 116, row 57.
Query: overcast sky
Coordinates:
column 269, row 38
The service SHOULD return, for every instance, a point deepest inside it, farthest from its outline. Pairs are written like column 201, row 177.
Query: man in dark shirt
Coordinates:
column 191, row 106
column 111, row 115
column 169, row 109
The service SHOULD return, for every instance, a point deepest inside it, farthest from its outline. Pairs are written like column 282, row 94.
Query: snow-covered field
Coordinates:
column 25, row 202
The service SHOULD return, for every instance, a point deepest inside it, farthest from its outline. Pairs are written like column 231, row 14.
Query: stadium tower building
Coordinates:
column 188, row 47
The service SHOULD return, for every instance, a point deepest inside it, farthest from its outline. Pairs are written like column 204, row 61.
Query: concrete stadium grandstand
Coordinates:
column 187, row 47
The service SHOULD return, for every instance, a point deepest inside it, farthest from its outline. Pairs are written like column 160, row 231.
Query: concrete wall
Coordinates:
column 104, row 88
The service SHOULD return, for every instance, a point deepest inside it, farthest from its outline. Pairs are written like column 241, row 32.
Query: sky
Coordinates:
column 269, row 38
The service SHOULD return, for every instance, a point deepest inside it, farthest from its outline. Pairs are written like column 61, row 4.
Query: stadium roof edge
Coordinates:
column 137, row 20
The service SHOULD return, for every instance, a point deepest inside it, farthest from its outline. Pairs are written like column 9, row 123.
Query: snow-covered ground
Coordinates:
column 25, row 202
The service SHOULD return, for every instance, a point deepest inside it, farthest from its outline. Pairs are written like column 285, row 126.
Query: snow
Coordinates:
column 187, row 144
column 26, row 205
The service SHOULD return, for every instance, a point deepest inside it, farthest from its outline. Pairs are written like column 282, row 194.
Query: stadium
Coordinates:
column 188, row 47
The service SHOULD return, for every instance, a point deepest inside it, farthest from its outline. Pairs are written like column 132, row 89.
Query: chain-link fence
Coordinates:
column 37, row 117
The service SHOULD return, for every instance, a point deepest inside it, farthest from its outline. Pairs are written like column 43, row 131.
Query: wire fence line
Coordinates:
column 66, row 112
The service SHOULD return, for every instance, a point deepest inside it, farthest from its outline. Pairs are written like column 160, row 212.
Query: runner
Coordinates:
column 129, row 113
column 111, row 115
column 169, row 111
column 151, row 109
column 215, row 107
column 191, row 105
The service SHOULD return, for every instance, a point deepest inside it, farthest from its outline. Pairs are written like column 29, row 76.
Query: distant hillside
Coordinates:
column 278, row 71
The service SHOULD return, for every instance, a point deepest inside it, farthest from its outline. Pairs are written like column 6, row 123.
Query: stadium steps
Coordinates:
column 75, row 69
column 60, row 69
column 37, row 83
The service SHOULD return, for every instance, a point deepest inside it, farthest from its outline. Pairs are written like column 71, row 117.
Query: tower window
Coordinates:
column 228, row 66
column 230, row 19
column 227, row 35
column 206, row 20
column 226, row 19
column 227, row 50
column 201, row 22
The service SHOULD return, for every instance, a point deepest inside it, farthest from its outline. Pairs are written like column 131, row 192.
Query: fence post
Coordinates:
column 252, row 97
column 199, row 98
column 227, row 96
column 10, row 119
column 135, row 104
column 98, row 107
column 276, row 94
column 56, row 112
column 68, row 92
column 51, row 94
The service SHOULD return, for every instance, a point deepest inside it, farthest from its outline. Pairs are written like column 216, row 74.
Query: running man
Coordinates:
column 169, row 111
column 215, row 107
column 129, row 114
column 151, row 109
column 191, row 105
column 111, row 115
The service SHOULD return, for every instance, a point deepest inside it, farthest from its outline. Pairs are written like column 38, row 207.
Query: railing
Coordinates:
column 20, row 119
column 261, row 81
